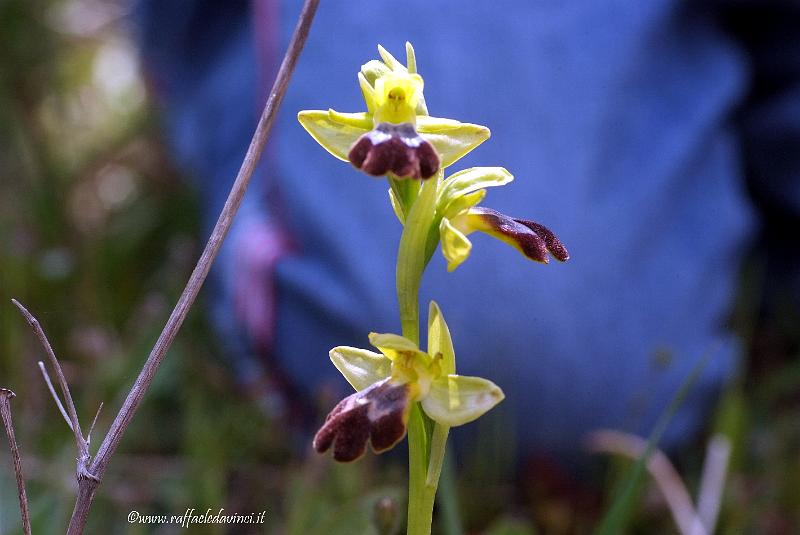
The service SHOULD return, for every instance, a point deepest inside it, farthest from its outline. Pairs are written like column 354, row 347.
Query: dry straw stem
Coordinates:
column 52, row 390
column 712, row 483
column 690, row 521
column 49, row 383
column 91, row 471
column 70, row 414
column 5, row 412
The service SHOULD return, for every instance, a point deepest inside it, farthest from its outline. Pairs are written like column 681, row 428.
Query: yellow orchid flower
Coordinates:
column 395, row 136
column 387, row 384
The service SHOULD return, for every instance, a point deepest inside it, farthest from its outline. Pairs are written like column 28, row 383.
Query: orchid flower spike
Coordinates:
column 395, row 136
column 389, row 382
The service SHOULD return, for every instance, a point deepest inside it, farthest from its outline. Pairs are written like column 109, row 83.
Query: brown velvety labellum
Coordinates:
column 531, row 244
column 389, row 416
column 379, row 414
column 534, row 239
column 397, row 149
column 554, row 245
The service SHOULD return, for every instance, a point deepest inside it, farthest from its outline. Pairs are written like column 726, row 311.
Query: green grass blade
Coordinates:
column 618, row 515
column 450, row 519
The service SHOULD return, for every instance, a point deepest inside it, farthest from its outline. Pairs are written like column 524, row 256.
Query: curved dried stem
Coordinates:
column 712, row 483
column 51, row 388
column 94, row 422
column 667, row 479
column 71, row 415
column 701, row 520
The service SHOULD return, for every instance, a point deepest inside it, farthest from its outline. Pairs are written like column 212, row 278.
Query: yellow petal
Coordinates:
column 439, row 340
column 411, row 58
column 451, row 139
column 469, row 180
column 360, row 367
column 390, row 60
column 336, row 132
column 457, row 399
column 369, row 93
column 455, row 245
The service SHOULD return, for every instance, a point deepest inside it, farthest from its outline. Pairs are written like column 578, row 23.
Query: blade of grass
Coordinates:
column 448, row 498
column 618, row 515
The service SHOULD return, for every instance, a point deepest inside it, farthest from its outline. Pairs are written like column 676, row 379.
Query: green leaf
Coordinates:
column 336, row 132
column 405, row 192
column 456, row 399
column 449, row 508
column 397, row 207
column 451, row 139
column 412, row 257
column 455, row 245
column 439, row 340
column 468, row 181
column 360, row 367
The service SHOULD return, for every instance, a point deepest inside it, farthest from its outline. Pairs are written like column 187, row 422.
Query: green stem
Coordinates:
column 411, row 262
column 426, row 453
column 436, row 458
column 411, row 258
column 405, row 191
column 420, row 500
column 449, row 510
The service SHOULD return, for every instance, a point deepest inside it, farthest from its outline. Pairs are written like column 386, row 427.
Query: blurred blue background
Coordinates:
column 658, row 140
column 617, row 121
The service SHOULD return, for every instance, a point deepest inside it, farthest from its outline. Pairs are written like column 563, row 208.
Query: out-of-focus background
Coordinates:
column 98, row 233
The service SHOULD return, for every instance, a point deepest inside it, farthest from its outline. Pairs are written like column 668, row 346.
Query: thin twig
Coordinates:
column 75, row 426
column 712, row 483
column 51, row 388
column 88, row 487
column 666, row 477
column 5, row 412
column 91, row 427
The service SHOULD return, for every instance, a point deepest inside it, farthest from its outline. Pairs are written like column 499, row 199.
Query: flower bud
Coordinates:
column 385, row 516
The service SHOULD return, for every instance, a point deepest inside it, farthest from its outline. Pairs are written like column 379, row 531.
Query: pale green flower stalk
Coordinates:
column 402, row 388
